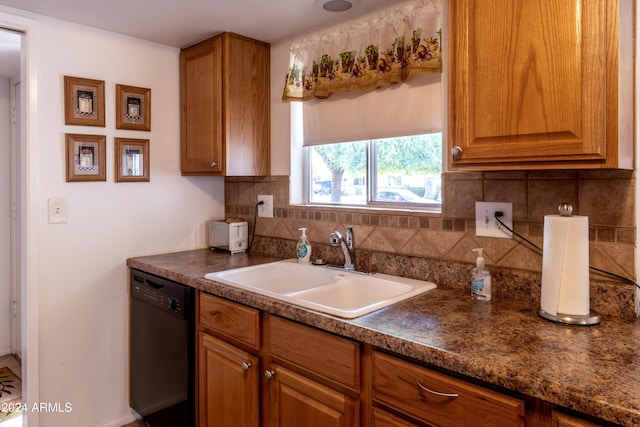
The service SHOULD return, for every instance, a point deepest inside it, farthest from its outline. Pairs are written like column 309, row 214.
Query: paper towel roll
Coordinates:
column 565, row 265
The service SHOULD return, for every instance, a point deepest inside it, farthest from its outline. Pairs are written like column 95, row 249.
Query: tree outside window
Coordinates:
column 400, row 171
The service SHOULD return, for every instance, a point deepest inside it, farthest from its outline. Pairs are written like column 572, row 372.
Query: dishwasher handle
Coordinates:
column 154, row 285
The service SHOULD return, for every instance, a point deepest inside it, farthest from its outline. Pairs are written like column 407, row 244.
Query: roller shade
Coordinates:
column 412, row 108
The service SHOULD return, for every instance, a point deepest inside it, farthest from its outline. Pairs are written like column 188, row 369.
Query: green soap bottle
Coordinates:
column 303, row 248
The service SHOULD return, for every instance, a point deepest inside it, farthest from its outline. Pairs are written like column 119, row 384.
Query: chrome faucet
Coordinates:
column 348, row 245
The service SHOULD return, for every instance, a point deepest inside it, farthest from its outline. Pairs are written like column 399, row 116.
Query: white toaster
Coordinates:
column 229, row 236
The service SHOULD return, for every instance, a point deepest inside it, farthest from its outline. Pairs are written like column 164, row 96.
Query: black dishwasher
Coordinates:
column 162, row 351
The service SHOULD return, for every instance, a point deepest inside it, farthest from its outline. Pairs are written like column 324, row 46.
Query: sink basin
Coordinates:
column 275, row 278
column 337, row 292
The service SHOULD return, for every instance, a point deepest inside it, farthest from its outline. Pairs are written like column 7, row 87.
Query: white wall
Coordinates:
column 81, row 273
column 5, row 273
column 280, row 111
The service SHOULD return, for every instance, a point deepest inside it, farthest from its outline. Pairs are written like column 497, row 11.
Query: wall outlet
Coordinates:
column 265, row 210
column 57, row 210
column 486, row 223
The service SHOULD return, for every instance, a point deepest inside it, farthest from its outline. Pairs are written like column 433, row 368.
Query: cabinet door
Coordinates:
column 295, row 401
column 201, row 145
column 247, row 119
column 533, row 82
column 228, row 385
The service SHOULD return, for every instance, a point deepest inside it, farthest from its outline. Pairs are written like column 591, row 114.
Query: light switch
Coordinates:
column 57, row 210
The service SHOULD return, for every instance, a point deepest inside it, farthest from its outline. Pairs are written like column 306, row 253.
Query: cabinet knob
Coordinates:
column 456, row 152
column 245, row 366
column 269, row 374
column 214, row 164
column 437, row 393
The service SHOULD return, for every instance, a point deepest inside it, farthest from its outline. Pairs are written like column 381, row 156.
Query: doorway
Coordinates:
column 10, row 192
column 11, row 349
column 23, row 204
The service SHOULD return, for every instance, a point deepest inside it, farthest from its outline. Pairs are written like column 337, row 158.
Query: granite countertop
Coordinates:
column 590, row 369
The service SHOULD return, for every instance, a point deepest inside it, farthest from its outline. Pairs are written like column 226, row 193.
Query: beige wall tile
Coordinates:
column 608, row 202
column 245, row 194
column 508, row 190
column 545, row 195
column 607, row 197
column 460, row 196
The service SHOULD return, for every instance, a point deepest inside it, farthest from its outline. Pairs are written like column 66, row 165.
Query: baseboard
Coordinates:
column 123, row 421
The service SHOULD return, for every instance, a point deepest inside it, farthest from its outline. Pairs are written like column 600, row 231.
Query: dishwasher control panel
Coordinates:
column 159, row 292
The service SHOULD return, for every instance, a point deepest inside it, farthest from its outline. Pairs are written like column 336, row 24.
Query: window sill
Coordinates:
column 391, row 209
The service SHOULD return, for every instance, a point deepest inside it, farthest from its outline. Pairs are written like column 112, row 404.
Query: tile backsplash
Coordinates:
column 437, row 246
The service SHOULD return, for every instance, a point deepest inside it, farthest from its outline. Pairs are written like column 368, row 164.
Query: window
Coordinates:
column 402, row 171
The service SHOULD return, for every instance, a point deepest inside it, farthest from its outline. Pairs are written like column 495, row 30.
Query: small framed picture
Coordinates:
column 132, row 159
column 86, row 157
column 83, row 101
column 133, row 108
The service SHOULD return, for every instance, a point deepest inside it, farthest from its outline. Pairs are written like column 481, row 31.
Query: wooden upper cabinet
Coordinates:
column 534, row 84
column 224, row 100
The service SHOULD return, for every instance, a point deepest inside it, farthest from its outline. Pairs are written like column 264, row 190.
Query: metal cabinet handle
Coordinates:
column 269, row 374
column 437, row 393
column 245, row 366
column 214, row 164
column 456, row 152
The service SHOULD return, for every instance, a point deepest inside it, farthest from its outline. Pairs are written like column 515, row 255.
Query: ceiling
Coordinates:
column 182, row 23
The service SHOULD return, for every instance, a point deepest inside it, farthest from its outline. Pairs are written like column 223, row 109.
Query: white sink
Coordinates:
column 341, row 293
column 275, row 278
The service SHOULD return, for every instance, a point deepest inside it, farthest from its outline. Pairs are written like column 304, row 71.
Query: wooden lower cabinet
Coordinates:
column 295, row 401
column 257, row 369
column 228, row 377
column 312, row 377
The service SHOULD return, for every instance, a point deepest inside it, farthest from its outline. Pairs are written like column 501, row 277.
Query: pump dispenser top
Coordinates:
column 303, row 248
column 479, row 259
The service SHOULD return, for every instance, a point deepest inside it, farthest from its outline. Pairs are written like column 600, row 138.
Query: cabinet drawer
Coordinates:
column 229, row 319
column 324, row 354
column 558, row 419
column 403, row 386
column 384, row 419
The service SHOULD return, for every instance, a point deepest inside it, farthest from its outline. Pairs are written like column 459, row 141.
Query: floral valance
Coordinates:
column 381, row 49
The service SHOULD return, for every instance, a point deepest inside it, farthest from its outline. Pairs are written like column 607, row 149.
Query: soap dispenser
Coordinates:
column 303, row 248
column 481, row 281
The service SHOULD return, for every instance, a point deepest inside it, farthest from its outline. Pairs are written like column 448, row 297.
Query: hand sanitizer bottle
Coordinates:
column 303, row 248
column 481, row 282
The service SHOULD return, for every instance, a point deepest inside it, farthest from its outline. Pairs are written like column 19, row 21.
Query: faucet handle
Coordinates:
column 334, row 238
column 349, row 239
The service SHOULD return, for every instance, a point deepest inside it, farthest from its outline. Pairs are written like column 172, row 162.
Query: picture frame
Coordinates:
column 131, row 160
column 133, row 108
column 86, row 157
column 83, row 101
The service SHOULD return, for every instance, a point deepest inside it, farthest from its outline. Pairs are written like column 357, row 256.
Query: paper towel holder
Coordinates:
column 590, row 319
column 593, row 318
